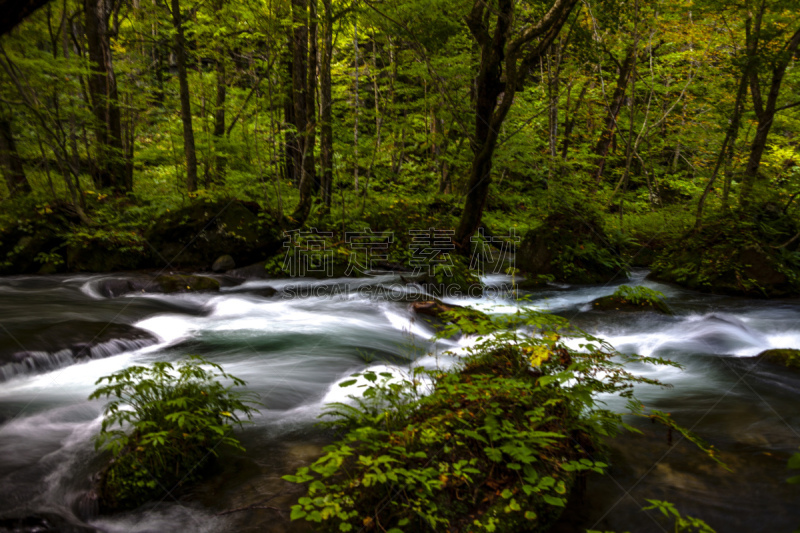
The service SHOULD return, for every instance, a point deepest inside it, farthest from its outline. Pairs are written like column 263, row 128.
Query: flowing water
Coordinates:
column 54, row 345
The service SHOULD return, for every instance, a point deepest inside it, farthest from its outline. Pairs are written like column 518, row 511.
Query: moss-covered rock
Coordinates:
column 633, row 299
column 437, row 313
column 743, row 253
column 615, row 303
column 184, row 283
column 201, row 232
column 788, row 357
column 572, row 247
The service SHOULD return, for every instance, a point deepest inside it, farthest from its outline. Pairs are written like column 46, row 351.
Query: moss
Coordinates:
column 788, row 357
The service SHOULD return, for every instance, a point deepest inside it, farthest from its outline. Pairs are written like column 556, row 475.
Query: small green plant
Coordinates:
column 163, row 424
column 639, row 295
column 628, row 298
column 683, row 524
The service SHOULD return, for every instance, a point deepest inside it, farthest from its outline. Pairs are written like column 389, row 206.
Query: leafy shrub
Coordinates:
column 163, row 425
column 494, row 445
column 639, row 295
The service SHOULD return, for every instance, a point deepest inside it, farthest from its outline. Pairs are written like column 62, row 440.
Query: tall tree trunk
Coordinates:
column 504, row 63
column 355, row 125
column 610, row 126
column 289, row 135
column 309, row 166
column 186, row 105
column 303, row 105
column 220, row 159
column 103, row 91
column 325, row 101
column 14, row 174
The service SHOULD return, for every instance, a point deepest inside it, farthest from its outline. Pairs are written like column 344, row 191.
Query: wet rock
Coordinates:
column 254, row 271
column 113, row 288
column 44, row 347
column 790, row 358
column 436, row 312
column 164, row 283
column 223, row 264
column 171, row 283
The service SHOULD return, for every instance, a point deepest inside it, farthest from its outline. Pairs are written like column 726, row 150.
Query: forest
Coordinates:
column 203, row 158
column 630, row 132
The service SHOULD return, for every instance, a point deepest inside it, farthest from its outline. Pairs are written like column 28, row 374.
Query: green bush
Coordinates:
column 163, row 425
column 494, row 445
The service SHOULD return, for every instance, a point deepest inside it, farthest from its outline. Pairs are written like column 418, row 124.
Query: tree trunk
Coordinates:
column 355, row 125
column 606, row 137
column 16, row 181
column 186, row 105
column 220, row 159
column 503, row 65
column 325, row 100
column 727, row 148
column 103, row 91
column 303, row 78
column 309, row 166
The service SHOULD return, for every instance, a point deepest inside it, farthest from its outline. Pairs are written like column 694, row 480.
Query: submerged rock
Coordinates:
column 41, row 348
column 788, row 357
column 164, row 283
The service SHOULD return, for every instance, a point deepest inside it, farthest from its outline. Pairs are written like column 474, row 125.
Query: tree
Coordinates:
column 185, row 96
column 506, row 57
column 762, row 52
column 11, row 162
column 104, row 95
column 304, row 69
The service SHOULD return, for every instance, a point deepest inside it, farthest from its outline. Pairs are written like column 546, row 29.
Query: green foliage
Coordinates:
column 639, row 295
column 493, row 445
column 163, row 424
column 682, row 524
column 794, row 464
column 750, row 253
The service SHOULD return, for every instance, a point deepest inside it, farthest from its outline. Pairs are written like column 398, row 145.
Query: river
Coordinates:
column 294, row 350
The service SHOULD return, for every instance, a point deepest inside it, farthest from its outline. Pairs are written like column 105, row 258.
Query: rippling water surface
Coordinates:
column 294, row 351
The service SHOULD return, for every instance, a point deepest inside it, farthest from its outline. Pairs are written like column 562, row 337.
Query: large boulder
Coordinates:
column 201, row 232
column 746, row 254
column 48, row 346
column 571, row 247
